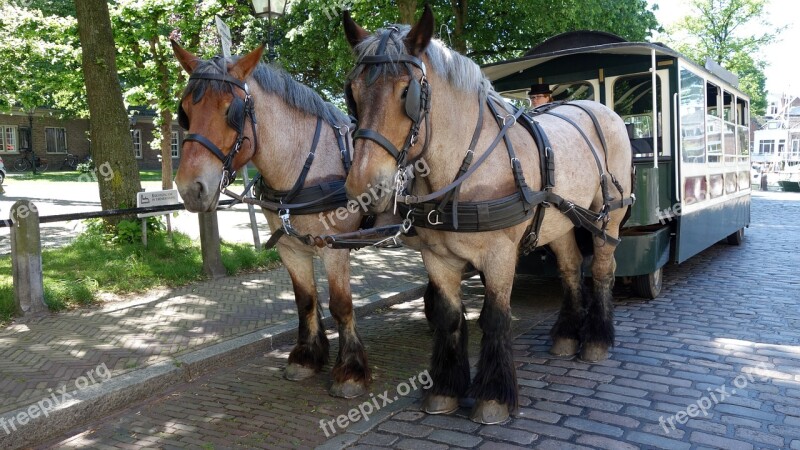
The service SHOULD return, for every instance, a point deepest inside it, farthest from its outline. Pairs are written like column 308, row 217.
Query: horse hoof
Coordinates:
column 348, row 389
column 296, row 372
column 564, row 347
column 594, row 352
column 439, row 404
column 489, row 412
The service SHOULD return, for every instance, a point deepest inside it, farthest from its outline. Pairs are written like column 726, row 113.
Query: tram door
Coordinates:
column 631, row 96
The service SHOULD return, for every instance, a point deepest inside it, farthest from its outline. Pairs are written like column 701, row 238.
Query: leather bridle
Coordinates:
column 239, row 111
column 417, row 102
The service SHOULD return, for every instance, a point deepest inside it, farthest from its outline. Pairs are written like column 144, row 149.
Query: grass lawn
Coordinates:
column 75, row 274
column 73, row 175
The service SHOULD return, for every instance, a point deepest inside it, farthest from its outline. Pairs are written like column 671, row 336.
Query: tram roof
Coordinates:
column 583, row 42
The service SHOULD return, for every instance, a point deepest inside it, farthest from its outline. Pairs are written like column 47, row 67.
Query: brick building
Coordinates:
column 54, row 137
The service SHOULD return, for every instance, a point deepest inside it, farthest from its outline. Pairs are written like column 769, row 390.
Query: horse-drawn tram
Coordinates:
column 691, row 152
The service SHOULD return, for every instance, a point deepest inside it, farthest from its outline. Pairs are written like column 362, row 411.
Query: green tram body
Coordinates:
column 699, row 191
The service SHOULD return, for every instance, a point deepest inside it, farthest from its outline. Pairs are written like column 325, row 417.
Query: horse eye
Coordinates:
column 405, row 93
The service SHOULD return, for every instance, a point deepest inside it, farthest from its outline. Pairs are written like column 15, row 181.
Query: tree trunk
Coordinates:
column 460, row 13
column 166, row 114
column 166, row 149
column 112, row 146
column 408, row 9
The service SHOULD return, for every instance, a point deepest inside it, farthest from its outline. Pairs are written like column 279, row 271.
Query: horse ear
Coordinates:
column 354, row 33
column 186, row 58
column 419, row 37
column 246, row 64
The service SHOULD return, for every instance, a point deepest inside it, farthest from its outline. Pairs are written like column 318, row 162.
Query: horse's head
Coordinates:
column 216, row 110
column 389, row 94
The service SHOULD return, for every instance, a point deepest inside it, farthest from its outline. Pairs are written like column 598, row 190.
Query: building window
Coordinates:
column 8, row 139
column 767, row 147
column 175, row 145
column 137, row 143
column 796, row 146
column 56, row 139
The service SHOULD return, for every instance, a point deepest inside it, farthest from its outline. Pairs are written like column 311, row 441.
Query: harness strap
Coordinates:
column 343, row 151
column 410, row 199
column 363, row 133
column 209, row 145
column 516, row 167
column 301, row 180
column 465, row 163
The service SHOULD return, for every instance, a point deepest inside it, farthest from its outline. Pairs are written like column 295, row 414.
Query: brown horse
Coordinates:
column 248, row 111
column 418, row 100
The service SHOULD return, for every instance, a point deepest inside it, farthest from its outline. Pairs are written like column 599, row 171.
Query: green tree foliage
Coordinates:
column 40, row 58
column 714, row 29
column 315, row 51
column 308, row 39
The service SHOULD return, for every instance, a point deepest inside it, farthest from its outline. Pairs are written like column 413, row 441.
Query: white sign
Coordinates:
column 224, row 36
column 156, row 198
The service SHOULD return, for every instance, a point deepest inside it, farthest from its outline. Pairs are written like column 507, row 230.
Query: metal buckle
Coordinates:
column 437, row 222
column 506, row 117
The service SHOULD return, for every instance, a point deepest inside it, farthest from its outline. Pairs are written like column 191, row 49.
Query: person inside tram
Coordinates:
column 540, row 94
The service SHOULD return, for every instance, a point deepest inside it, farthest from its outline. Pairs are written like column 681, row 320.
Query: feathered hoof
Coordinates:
column 348, row 389
column 296, row 372
column 594, row 352
column 439, row 404
column 564, row 347
column 489, row 412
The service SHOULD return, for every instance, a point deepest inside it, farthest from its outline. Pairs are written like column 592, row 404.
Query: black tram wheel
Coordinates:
column 736, row 238
column 649, row 285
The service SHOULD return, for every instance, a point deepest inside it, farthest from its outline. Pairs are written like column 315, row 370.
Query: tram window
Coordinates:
column 573, row 91
column 727, row 107
column 743, row 128
column 633, row 101
column 714, row 126
column 692, row 120
column 741, row 112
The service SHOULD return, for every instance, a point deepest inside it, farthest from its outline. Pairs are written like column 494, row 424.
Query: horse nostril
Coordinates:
column 201, row 189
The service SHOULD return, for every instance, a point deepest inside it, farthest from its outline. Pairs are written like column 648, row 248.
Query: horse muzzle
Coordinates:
column 375, row 199
column 199, row 195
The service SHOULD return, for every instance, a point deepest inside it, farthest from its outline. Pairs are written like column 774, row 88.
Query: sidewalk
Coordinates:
column 52, row 365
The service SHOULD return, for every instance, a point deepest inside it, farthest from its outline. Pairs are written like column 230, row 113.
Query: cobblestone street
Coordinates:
column 714, row 362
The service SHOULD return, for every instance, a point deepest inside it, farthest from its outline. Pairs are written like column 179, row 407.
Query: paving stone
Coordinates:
column 604, row 442
column 758, row 436
column 450, row 423
column 556, row 431
column 507, row 434
column 381, row 439
column 652, row 440
column 614, row 419
column 455, row 438
column 418, row 444
column 593, row 427
column 698, row 437
column 549, row 444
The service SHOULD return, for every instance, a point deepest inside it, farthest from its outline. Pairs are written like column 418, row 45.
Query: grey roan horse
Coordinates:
column 416, row 100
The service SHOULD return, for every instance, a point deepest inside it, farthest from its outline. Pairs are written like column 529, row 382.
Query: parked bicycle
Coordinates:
column 25, row 163
column 70, row 162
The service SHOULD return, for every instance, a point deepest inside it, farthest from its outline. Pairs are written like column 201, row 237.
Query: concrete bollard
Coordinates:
column 26, row 258
column 209, row 245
